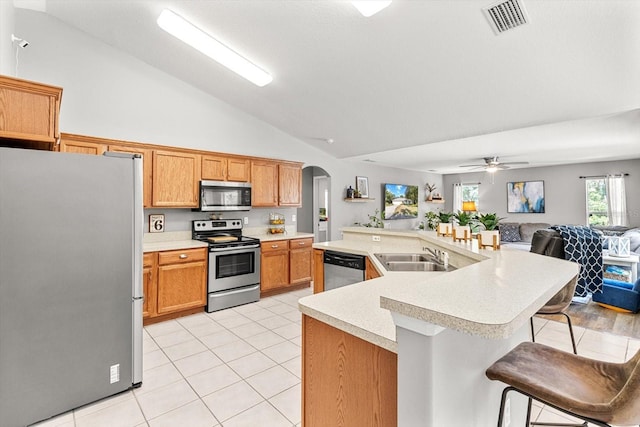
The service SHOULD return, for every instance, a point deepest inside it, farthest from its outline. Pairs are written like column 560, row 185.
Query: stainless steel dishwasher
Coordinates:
column 342, row 269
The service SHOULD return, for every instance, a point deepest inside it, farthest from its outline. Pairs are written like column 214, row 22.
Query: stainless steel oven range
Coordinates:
column 234, row 263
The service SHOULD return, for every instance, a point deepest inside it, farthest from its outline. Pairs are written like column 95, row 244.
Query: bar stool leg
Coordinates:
column 573, row 340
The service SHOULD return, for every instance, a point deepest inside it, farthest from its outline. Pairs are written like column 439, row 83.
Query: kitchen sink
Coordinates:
column 415, row 266
column 384, row 258
column 411, row 262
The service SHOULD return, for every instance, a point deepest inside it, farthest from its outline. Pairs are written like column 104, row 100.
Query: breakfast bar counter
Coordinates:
column 445, row 327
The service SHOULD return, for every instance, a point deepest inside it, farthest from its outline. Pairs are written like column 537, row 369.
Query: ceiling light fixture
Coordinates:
column 370, row 7
column 491, row 169
column 198, row 39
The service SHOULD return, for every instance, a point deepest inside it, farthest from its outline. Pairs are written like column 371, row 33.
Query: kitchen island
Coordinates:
column 442, row 329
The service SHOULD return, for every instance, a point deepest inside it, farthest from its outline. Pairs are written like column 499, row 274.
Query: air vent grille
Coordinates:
column 506, row 15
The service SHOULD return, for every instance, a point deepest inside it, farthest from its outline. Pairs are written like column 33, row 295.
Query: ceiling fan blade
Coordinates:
column 515, row 163
column 471, row 166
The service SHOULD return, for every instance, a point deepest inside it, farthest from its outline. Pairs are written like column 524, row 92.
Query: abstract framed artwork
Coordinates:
column 525, row 197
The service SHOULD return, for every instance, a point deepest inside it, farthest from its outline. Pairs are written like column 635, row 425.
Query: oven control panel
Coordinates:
column 217, row 224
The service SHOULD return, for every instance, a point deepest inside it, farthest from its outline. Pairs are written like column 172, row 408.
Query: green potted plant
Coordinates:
column 444, row 223
column 432, row 220
column 490, row 235
column 374, row 221
column 462, row 229
column 490, row 221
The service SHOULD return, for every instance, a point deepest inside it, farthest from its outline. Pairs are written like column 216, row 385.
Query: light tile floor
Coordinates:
column 241, row 367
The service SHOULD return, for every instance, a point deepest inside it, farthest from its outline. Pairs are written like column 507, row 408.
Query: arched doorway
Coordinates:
column 314, row 215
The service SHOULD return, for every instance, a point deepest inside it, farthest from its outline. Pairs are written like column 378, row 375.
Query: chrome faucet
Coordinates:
column 442, row 257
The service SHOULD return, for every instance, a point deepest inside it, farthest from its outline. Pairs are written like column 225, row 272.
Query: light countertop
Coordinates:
column 284, row 236
column 491, row 294
column 176, row 240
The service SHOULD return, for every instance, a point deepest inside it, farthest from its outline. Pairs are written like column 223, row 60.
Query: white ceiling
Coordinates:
column 424, row 84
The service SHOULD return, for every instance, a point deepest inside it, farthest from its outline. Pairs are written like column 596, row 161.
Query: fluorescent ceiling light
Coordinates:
column 370, row 7
column 198, row 39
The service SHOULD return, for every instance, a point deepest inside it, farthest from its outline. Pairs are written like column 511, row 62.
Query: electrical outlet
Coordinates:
column 375, row 238
column 156, row 223
column 293, row 218
column 114, row 373
column 507, row 413
column 246, row 220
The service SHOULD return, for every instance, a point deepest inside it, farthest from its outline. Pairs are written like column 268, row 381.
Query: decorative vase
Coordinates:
column 444, row 229
column 461, row 232
column 489, row 238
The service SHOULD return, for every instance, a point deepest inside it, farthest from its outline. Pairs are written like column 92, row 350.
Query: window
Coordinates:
column 470, row 193
column 464, row 193
column 597, row 205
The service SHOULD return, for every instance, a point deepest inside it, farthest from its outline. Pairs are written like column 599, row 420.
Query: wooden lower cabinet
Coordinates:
column 370, row 272
column 149, row 285
column 175, row 283
column 285, row 264
column 274, row 265
column 346, row 381
column 300, row 260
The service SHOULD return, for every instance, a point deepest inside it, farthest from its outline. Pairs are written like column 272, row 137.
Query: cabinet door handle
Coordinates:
column 274, row 246
column 301, row 243
column 184, row 256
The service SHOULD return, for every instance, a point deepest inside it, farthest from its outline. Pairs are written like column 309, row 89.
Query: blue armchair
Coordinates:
column 619, row 295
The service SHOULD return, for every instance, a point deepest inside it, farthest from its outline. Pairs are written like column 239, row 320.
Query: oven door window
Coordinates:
column 235, row 264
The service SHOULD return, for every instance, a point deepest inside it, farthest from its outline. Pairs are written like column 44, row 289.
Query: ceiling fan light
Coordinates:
column 492, row 169
column 370, row 7
column 199, row 40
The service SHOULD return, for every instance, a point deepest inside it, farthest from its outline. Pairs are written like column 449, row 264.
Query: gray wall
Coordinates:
column 110, row 94
column 565, row 195
column 7, row 50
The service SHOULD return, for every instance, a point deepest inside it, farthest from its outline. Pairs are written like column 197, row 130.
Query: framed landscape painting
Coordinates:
column 525, row 197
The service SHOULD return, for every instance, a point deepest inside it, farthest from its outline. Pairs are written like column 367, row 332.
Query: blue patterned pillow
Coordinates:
column 510, row 232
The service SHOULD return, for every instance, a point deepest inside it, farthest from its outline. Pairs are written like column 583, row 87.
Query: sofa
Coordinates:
column 518, row 235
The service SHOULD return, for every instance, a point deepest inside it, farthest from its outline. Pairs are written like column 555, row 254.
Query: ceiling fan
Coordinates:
column 492, row 164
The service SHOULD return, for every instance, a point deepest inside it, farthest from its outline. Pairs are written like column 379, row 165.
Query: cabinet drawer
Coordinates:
column 300, row 243
column 275, row 245
column 187, row 255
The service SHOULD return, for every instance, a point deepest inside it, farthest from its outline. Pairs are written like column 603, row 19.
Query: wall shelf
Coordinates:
column 358, row 199
column 435, row 201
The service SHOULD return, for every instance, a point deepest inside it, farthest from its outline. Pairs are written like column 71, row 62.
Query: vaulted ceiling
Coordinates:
column 424, row 84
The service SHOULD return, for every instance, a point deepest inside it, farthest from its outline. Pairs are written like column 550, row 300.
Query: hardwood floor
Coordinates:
column 597, row 318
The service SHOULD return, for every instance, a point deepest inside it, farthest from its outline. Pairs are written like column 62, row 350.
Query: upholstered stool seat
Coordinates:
column 592, row 390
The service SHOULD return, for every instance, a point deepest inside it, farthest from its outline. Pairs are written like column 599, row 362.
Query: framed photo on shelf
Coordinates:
column 362, row 185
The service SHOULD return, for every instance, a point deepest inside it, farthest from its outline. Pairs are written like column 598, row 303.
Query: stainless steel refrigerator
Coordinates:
column 70, row 281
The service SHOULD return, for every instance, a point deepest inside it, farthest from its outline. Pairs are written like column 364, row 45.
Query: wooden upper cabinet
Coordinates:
column 238, row 169
column 290, row 185
column 147, row 167
column 176, row 177
column 264, row 183
column 214, row 168
column 29, row 111
column 82, row 144
column 219, row 168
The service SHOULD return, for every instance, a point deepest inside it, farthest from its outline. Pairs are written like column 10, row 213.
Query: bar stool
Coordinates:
column 601, row 393
column 550, row 243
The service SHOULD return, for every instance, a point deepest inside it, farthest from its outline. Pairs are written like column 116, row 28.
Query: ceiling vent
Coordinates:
column 506, row 15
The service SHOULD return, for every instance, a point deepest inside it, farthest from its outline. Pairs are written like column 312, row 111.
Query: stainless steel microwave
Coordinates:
column 225, row 196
